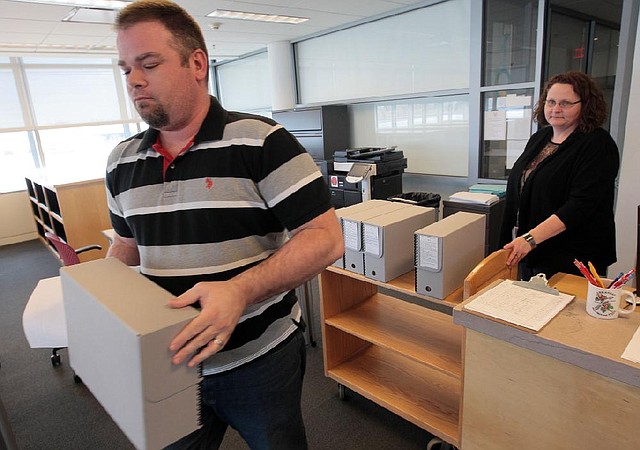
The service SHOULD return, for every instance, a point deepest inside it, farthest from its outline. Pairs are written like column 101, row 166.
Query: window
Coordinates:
column 433, row 133
column 66, row 92
column 63, row 115
column 423, row 50
column 10, row 109
column 79, row 150
column 16, row 160
column 509, row 41
column 245, row 84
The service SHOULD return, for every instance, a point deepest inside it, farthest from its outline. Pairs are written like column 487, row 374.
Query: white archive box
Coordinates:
column 352, row 233
column 388, row 241
column 119, row 328
column 363, row 206
column 446, row 251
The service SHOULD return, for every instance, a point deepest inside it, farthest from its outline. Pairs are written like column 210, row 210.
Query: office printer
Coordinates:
column 361, row 174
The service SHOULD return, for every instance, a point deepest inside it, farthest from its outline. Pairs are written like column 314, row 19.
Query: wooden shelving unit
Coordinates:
column 395, row 348
column 75, row 211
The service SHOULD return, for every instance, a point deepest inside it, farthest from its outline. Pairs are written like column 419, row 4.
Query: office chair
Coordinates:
column 68, row 254
column 69, row 257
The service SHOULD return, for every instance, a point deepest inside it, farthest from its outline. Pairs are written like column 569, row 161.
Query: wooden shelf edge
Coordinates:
column 391, row 380
column 400, row 284
column 56, row 216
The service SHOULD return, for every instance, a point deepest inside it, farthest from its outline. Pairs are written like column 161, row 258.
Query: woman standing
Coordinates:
column 560, row 192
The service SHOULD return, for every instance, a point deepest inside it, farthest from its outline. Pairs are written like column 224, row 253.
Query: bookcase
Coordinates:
column 76, row 211
column 395, row 347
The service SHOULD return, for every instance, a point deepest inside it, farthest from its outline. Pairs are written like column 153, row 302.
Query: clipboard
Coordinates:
column 528, row 306
column 539, row 283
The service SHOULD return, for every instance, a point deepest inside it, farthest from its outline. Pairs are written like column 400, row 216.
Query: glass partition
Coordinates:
column 433, row 133
column 506, row 128
column 509, row 41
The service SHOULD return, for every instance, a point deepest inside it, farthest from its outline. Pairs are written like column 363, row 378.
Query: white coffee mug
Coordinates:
column 605, row 303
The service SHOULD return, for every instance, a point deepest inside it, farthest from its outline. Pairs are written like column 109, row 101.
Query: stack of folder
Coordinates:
column 496, row 189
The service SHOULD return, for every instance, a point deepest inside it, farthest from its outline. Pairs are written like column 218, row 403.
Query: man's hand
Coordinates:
column 222, row 305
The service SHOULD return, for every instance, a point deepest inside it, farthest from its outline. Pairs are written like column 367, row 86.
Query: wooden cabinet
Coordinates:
column 75, row 211
column 395, row 347
column 554, row 389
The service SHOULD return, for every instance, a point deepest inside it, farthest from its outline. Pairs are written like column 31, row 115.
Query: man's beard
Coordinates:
column 155, row 117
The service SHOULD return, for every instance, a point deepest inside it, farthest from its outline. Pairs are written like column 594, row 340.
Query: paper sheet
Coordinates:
column 521, row 306
column 495, row 125
column 632, row 352
column 351, row 235
column 43, row 319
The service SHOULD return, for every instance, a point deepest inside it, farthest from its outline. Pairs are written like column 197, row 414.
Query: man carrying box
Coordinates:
column 203, row 202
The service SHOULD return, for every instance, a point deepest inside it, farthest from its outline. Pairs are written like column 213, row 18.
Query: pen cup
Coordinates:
column 605, row 303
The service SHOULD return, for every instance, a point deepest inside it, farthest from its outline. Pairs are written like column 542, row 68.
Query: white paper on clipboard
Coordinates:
column 526, row 307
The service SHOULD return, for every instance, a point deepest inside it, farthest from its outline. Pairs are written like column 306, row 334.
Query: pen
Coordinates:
column 615, row 279
column 626, row 277
column 583, row 270
column 594, row 272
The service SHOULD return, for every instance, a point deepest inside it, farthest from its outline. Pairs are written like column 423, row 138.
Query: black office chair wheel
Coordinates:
column 55, row 358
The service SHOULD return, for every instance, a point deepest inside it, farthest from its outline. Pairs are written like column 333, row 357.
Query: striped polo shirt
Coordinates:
column 222, row 206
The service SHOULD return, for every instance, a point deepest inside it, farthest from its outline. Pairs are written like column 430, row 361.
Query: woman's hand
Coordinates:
column 519, row 249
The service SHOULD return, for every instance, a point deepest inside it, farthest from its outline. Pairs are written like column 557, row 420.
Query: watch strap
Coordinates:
column 530, row 240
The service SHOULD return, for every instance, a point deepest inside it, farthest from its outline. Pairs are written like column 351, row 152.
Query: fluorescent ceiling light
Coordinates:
column 240, row 15
column 90, row 15
column 52, row 48
column 102, row 4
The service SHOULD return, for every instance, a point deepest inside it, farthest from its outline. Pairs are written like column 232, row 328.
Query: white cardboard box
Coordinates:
column 446, row 251
column 341, row 212
column 352, row 232
column 119, row 329
column 388, row 241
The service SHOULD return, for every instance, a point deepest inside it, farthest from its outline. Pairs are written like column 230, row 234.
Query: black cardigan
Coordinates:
column 576, row 183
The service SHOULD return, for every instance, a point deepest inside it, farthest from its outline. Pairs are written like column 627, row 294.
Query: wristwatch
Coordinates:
column 530, row 240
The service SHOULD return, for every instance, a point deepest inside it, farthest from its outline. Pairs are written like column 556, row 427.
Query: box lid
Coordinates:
column 113, row 283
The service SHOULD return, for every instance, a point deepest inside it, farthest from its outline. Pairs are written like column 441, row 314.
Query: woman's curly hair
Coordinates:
column 594, row 108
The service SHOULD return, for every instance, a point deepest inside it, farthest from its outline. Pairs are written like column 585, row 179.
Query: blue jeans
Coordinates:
column 260, row 399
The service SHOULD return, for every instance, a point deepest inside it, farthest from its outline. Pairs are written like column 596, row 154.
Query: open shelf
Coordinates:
column 426, row 336
column 398, row 348
column 424, row 397
column 76, row 211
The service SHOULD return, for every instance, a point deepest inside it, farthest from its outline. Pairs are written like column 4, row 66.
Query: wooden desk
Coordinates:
column 558, row 389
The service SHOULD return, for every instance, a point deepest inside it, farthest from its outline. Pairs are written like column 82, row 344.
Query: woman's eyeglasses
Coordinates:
column 564, row 104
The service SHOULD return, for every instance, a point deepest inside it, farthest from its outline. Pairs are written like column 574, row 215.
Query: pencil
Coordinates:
column 596, row 277
column 585, row 272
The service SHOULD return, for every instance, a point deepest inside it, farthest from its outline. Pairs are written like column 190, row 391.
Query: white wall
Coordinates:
column 629, row 183
column 16, row 224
